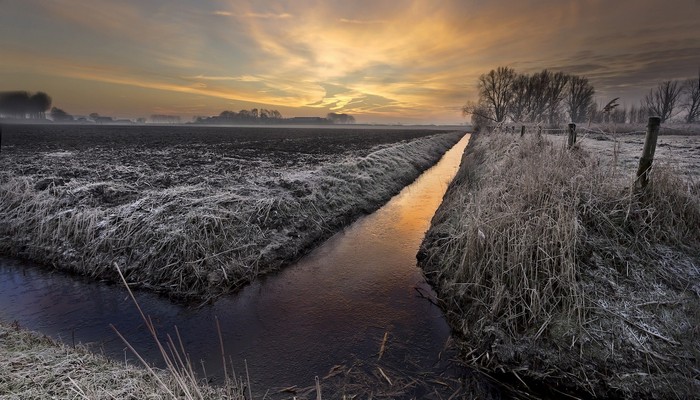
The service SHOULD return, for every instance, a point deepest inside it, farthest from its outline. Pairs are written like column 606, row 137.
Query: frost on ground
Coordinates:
column 33, row 366
column 674, row 149
column 189, row 219
column 552, row 269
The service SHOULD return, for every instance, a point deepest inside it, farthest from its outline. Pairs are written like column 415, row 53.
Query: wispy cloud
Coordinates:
column 241, row 78
column 259, row 15
column 268, row 15
column 361, row 21
column 379, row 58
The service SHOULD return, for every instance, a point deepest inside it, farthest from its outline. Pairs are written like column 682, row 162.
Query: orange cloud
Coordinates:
column 397, row 59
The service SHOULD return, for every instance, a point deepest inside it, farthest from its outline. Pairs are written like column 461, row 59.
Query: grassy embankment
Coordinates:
column 33, row 366
column 199, row 239
column 552, row 270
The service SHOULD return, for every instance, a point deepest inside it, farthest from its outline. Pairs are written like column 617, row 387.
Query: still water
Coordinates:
column 332, row 308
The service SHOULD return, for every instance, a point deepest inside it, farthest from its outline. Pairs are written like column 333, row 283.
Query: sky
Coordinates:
column 382, row 61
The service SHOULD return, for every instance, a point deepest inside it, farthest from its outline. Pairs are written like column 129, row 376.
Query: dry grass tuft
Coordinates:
column 549, row 267
column 33, row 366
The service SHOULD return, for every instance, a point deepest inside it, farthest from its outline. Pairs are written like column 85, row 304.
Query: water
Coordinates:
column 332, row 308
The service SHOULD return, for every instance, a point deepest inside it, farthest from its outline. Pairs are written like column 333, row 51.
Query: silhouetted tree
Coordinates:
column 519, row 106
column 59, row 115
column 539, row 104
column 540, row 97
column 632, row 114
column 481, row 114
column 691, row 99
column 555, row 94
column 495, row 91
column 244, row 116
column 661, row 101
column 14, row 104
column 618, row 115
column 579, row 98
column 39, row 103
column 340, row 118
column 228, row 115
column 21, row 104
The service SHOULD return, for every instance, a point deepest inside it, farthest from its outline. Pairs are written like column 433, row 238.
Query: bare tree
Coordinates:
column 337, row 118
column 691, row 100
column 661, row 101
column 632, row 114
column 504, row 94
column 579, row 98
column 539, row 84
column 481, row 114
column 495, row 91
column 519, row 105
column 555, row 95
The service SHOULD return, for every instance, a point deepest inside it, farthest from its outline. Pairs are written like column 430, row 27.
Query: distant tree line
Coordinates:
column 336, row 118
column 672, row 98
column 263, row 116
column 546, row 97
column 556, row 97
column 244, row 116
column 23, row 105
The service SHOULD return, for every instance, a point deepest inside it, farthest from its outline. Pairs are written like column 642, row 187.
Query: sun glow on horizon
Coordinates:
column 383, row 60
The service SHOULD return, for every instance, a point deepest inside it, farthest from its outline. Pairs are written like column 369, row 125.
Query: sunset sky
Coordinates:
column 383, row 61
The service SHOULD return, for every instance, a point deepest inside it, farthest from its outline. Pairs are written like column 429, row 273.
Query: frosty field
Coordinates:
column 194, row 211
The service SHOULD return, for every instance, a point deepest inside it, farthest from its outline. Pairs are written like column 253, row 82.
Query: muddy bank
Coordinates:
column 193, row 221
column 552, row 271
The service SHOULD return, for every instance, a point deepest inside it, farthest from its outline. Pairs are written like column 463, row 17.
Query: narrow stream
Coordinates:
column 332, row 308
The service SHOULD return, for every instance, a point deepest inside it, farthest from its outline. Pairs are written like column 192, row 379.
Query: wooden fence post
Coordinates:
column 522, row 131
column 648, row 152
column 572, row 135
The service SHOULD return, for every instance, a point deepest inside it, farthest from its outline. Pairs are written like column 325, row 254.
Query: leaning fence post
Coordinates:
column 648, row 152
column 572, row 135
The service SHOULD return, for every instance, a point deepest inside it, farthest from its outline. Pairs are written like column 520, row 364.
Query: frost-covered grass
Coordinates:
column 551, row 268
column 33, row 366
column 190, row 220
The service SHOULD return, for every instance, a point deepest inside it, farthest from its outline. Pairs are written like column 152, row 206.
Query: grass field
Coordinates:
column 194, row 211
column 552, row 269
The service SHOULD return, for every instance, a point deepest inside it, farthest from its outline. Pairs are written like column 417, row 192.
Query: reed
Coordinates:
column 33, row 366
column 543, row 257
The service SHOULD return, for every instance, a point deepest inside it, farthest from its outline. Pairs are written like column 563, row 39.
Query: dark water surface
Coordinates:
column 333, row 307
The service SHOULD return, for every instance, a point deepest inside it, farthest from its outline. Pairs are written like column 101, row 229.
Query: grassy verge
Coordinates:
column 197, row 239
column 551, row 270
column 33, row 366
